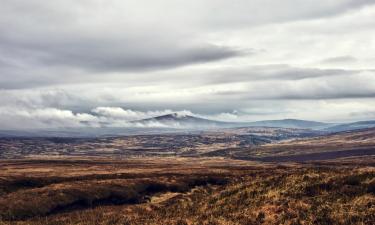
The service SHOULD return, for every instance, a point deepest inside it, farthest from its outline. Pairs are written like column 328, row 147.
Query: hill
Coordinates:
column 176, row 120
column 331, row 146
column 186, row 121
column 352, row 126
column 291, row 123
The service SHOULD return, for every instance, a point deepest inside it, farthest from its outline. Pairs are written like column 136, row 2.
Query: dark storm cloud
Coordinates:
column 79, row 35
column 101, row 55
column 126, row 57
column 60, row 61
column 53, row 43
column 108, row 54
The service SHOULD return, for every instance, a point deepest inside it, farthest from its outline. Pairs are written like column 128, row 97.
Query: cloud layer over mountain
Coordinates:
column 80, row 63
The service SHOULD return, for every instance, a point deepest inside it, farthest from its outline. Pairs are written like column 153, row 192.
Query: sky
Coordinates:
column 87, row 62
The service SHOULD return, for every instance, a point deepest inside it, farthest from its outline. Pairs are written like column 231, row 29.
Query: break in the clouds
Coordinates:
column 79, row 63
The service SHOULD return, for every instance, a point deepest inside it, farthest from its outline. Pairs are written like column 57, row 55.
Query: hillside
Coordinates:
column 173, row 144
column 191, row 122
column 291, row 123
column 331, row 146
column 184, row 191
column 352, row 126
column 175, row 120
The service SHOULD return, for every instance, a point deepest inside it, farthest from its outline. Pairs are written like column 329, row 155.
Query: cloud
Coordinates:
column 59, row 62
column 351, row 86
column 132, row 115
column 117, row 61
column 53, row 118
column 220, row 93
column 269, row 72
column 339, row 60
column 26, row 118
column 67, row 41
column 114, row 54
column 258, row 12
column 365, row 114
column 70, row 41
column 130, row 56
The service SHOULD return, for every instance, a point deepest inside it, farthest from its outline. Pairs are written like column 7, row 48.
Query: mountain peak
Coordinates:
column 171, row 116
column 183, row 120
column 179, row 115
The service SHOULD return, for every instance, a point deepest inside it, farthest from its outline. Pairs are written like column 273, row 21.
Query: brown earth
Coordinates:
column 186, row 191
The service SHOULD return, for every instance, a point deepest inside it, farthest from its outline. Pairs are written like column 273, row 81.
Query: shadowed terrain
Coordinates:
column 229, row 176
column 332, row 146
column 186, row 191
column 189, row 144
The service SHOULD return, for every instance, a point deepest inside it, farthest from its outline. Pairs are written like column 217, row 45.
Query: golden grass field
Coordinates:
column 173, row 190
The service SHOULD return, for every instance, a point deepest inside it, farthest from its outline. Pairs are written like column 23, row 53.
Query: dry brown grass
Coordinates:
column 185, row 191
column 360, row 139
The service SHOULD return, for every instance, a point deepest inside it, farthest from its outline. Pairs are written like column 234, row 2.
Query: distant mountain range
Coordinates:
column 184, row 122
column 191, row 122
column 352, row 126
column 177, row 123
column 291, row 123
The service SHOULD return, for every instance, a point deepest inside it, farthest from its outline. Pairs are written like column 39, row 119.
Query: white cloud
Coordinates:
column 132, row 115
column 93, row 63
column 19, row 118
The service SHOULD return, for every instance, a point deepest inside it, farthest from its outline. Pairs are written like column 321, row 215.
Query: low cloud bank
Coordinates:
column 28, row 118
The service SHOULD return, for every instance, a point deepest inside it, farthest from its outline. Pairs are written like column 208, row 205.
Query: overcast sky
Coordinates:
column 69, row 62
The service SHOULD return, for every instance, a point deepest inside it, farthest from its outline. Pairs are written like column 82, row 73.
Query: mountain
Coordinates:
column 176, row 120
column 177, row 123
column 351, row 126
column 291, row 123
column 191, row 122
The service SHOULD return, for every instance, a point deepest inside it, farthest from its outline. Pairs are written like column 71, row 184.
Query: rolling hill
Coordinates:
column 352, row 126
column 330, row 146
column 291, row 123
column 191, row 122
column 176, row 120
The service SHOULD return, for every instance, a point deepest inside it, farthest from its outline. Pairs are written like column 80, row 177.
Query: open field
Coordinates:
column 323, row 147
column 169, row 112
column 235, row 176
column 175, row 144
column 186, row 191
column 256, row 144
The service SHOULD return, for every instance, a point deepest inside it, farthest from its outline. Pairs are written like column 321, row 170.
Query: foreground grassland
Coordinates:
column 185, row 191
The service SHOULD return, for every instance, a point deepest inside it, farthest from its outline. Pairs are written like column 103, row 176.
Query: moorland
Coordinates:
column 235, row 176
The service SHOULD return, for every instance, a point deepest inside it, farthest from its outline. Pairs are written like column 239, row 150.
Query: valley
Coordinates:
column 235, row 175
column 189, row 144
